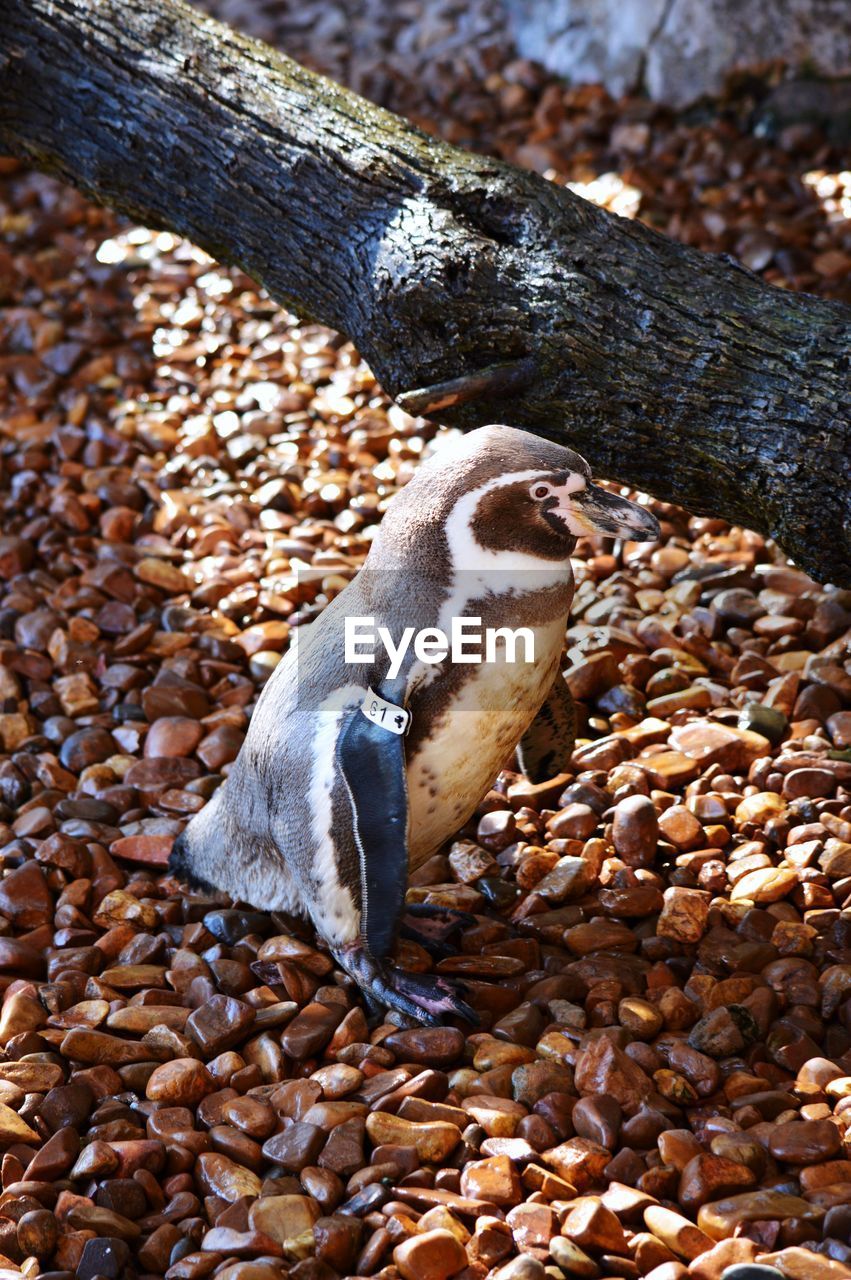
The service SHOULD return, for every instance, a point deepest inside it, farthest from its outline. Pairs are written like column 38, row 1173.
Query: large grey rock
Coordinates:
column 588, row 40
column 678, row 50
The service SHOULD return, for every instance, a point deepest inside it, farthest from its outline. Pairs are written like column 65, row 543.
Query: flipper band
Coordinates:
column 385, row 714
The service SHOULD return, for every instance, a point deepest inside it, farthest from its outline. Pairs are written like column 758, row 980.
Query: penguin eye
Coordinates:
column 540, row 491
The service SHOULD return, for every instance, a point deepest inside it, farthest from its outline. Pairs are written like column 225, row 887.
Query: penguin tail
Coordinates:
column 199, row 854
column 181, row 867
column 216, row 854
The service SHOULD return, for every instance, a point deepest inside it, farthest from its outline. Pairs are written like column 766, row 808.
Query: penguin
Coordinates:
column 358, row 765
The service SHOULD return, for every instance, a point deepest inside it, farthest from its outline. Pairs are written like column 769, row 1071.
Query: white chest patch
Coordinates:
column 332, row 908
column 460, row 760
column 498, row 701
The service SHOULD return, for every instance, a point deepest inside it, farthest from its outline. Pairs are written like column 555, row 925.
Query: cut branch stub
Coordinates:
column 508, row 379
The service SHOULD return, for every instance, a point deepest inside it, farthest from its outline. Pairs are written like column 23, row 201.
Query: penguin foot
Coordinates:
column 434, row 928
column 423, row 997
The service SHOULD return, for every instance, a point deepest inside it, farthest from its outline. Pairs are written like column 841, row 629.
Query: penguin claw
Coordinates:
column 435, row 927
column 424, row 997
column 428, row 997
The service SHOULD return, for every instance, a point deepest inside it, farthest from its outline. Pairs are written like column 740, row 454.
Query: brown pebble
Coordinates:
column 37, row 1233
column 805, row 1142
column 708, row 1177
column 173, row 736
column 431, row 1046
column 218, row 1175
column 493, row 1179
column 183, row 1082
column 220, row 1023
column 284, row 1217
column 433, row 1255
column 682, row 1237
column 603, row 1069
column 297, row 1146
column 598, row 1117
column 310, row 1030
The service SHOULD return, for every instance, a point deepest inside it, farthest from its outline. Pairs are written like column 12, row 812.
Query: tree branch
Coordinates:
column 473, row 288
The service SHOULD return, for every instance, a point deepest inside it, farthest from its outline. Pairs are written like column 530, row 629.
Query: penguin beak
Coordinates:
column 594, row 510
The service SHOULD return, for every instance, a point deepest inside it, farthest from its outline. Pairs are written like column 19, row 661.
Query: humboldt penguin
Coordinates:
column 354, row 772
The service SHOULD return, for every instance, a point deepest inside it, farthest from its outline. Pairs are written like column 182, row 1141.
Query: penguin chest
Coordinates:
column 472, row 738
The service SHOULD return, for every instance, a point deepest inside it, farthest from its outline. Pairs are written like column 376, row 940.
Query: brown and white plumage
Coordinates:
column 484, row 528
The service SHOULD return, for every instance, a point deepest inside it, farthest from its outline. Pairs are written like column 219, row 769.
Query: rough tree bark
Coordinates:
column 477, row 292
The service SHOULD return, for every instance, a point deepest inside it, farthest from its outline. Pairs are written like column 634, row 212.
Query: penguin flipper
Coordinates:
column 372, row 761
column 547, row 745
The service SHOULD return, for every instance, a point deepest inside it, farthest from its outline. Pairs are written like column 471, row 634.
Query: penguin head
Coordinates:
column 536, row 497
column 572, row 506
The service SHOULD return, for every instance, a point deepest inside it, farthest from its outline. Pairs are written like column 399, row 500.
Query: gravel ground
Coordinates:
column 397, row 54
column 662, row 956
